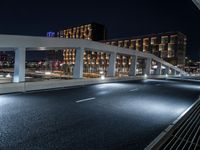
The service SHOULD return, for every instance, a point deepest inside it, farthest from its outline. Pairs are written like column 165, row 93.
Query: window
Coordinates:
column 132, row 44
column 154, row 40
column 138, row 44
column 173, row 38
column 114, row 43
column 164, row 39
column 120, row 43
column 126, row 43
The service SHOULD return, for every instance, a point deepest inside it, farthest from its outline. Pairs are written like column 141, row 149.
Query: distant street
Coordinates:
column 112, row 116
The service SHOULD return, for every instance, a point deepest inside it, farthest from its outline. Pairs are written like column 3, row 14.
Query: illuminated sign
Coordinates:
column 51, row 34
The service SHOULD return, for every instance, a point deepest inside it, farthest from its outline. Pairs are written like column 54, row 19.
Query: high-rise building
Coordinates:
column 94, row 62
column 6, row 59
column 92, row 31
column 170, row 46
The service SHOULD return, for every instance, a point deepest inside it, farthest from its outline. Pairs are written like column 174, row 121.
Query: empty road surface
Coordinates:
column 111, row 116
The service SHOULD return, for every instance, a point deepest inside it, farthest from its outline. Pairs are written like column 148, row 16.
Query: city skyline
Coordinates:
column 106, row 74
column 121, row 19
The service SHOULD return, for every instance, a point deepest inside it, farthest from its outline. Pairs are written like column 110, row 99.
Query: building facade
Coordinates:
column 169, row 46
column 92, row 31
column 192, row 67
column 94, row 62
column 6, row 59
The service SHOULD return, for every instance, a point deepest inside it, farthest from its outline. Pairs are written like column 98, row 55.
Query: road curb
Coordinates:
column 56, row 84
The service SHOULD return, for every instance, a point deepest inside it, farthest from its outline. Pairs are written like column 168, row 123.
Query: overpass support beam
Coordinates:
column 159, row 67
column 148, row 66
column 178, row 73
column 19, row 67
column 112, row 65
column 78, row 68
column 173, row 72
column 166, row 70
column 133, row 67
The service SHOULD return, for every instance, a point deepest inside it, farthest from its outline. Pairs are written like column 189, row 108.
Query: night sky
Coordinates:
column 122, row 18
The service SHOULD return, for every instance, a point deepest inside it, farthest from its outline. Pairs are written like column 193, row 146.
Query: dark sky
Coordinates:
column 122, row 18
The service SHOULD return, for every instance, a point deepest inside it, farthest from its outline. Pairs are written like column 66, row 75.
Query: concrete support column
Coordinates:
column 19, row 67
column 166, row 70
column 177, row 73
column 133, row 66
column 112, row 65
column 78, row 68
column 173, row 72
column 159, row 67
column 148, row 66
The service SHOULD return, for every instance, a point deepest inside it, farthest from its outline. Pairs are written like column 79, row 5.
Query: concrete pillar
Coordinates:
column 78, row 68
column 133, row 66
column 148, row 66
column 159, row 68
column 177, row 73
column 19, row 67
column 166, row 70
column 112, row 65
column 173, row 72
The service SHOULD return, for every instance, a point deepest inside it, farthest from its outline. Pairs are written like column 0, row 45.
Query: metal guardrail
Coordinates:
column 183, row 134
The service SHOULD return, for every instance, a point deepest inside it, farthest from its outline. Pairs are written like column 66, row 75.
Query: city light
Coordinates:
column 101, row 72
column 47, row 73
column 155, row 67
column 163, row 67
column 8, row 75
column 102, row 77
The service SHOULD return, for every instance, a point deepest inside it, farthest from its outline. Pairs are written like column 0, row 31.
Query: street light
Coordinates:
column 47, row 73
column 145, row 76
column 102, row 77
column 8, row 75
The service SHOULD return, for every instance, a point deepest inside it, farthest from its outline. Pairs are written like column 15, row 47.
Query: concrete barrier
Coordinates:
column 56, row 83
column 11, row 87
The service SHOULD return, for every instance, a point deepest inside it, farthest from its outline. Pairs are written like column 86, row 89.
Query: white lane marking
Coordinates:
column 87, row 99
column 133, row 90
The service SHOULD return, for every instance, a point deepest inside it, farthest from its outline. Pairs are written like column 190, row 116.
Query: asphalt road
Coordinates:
column 112, row 116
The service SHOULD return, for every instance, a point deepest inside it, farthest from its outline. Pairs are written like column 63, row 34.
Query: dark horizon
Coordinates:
column 122, row 19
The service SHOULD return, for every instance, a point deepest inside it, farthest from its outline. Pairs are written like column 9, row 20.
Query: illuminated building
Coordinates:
column 92, row 31
column 192, row 67
column 94, row 62
column 3, row 57
column 169, row 46
column 6, row 59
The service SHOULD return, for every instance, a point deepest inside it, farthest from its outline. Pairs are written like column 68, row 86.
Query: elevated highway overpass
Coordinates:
column 21, row 44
